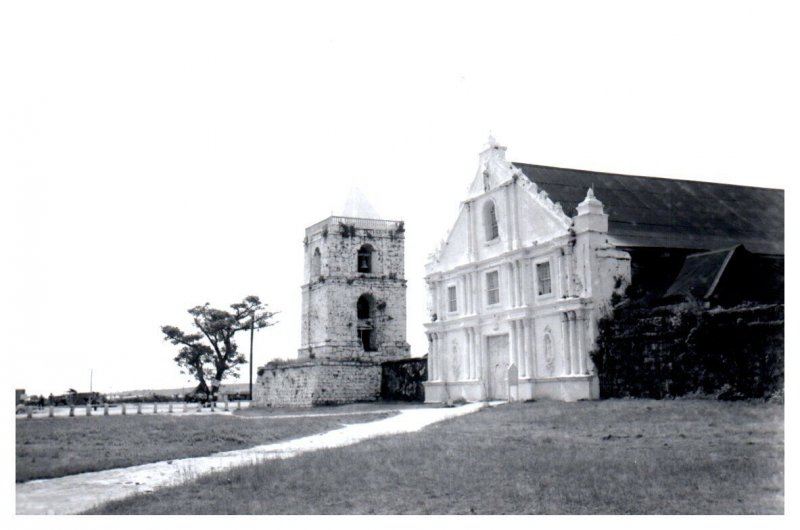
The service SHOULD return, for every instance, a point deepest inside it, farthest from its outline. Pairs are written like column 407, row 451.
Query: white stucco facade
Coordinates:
column 515, row 292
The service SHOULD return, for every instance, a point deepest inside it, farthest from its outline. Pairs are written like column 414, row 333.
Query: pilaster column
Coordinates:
column 534, row 368
column 514, row 186
column 442, row 299
column 526, row 352
column 570, row 272
column 473, row 295
column 435, row 357
column 478, row 292
column 478, row 338
column 461, row 303
column 573, row 336
column 509, row 218
column 582, row 347
column 565, row 332
column 526, row 281
column 431, row 358
column 470, row 229
column 512, row 341
column 467, row 294
column 441, row 355
column 468, row 354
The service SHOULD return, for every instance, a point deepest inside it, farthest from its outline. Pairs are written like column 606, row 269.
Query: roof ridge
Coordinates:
column 715, row 251
column 646, row 176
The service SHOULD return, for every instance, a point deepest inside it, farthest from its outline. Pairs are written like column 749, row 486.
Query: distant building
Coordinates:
column 535, row 254
column 20, row 395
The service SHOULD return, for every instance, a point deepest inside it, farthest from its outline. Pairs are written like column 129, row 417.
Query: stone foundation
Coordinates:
column 567, row 388
column 313, row 382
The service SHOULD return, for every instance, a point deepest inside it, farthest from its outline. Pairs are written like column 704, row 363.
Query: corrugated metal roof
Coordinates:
column 659, row 212
column 700, row 273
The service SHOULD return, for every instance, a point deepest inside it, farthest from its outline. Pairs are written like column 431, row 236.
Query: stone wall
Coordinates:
column 669, row 351
column 307, row 383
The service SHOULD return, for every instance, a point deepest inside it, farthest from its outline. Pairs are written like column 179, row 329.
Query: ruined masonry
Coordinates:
column 354, row 315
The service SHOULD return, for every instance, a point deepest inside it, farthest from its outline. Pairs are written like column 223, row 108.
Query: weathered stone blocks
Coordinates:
column 306, row 383
column 354, row 316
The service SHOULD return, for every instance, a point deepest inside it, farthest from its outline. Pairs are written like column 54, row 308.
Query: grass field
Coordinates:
column 603, row 457
column 54, row 447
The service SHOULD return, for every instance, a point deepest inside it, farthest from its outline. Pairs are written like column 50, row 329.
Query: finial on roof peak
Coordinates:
column 492, row 143
column 591, row 204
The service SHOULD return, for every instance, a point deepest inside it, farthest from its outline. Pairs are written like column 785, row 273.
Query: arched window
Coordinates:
column 365, row 259
column 364, row 306
column 316, row 264
column 365, row 311
column 490, row 221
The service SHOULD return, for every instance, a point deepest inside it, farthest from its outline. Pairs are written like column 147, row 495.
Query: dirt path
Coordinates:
column 77, row 493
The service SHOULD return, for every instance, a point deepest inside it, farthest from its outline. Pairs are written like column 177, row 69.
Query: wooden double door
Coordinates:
column 497, row 366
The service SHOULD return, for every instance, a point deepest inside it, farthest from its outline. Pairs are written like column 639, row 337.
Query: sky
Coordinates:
column 158, row 155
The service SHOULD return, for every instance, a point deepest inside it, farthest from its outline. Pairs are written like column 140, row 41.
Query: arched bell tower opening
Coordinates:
column 364, row 263
column 365, row 313
column 316, row 264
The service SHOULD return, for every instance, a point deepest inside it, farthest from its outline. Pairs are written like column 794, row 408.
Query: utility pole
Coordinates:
column 252, row 324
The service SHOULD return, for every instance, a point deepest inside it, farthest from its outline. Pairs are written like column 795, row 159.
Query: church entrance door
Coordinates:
column 497, row 357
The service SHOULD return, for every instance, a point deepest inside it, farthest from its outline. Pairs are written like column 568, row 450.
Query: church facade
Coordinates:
column 516, row 289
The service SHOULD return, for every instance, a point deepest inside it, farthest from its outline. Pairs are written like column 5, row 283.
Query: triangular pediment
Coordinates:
column 493, row 169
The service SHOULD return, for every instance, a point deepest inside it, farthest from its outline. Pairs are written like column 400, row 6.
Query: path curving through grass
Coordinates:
column 77, row 493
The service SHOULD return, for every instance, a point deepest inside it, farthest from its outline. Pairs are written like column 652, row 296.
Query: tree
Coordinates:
column 211, row 354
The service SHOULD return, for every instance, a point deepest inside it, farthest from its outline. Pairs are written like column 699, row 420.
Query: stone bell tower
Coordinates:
column 354, row 289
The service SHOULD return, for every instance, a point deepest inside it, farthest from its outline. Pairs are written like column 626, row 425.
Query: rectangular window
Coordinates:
column 452, row 302
column 492, row 288
column 543, row 278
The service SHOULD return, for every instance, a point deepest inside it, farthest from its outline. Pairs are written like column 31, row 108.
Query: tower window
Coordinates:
column 492, row 288
column 365, row 259
column 365, row 310
column 364, row 307
column 452, row 301
column 490, row 221
column 316, row 264
column 543, row 278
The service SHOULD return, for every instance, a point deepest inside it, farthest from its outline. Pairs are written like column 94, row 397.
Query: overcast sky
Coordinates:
column 160, row 155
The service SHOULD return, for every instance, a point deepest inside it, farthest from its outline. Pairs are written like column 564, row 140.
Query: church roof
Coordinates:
column 701, row 273
column 659, row 212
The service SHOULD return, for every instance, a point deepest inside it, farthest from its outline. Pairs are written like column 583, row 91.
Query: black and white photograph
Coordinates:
column 366, row 259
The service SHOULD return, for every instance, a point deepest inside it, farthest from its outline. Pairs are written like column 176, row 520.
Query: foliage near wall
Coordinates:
column 686, row 349
column 402, row 380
